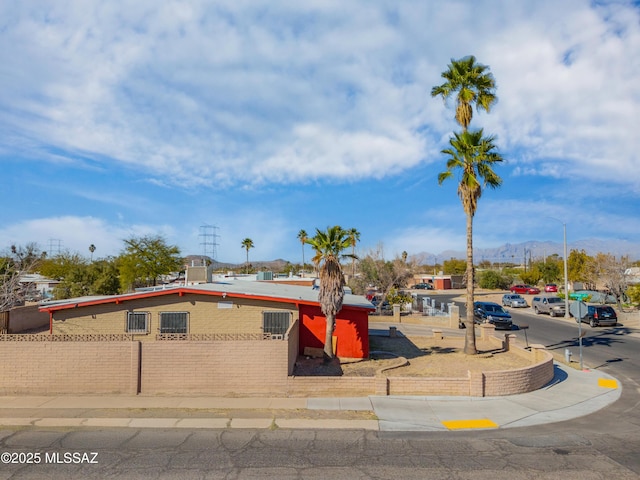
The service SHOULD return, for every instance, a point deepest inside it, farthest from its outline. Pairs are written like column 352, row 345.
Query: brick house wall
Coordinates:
column 207, row 314
column 27, row 318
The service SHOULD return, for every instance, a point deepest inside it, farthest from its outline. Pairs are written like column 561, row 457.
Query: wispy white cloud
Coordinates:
column 75, row 234
column 243, row 96
column 239, row 92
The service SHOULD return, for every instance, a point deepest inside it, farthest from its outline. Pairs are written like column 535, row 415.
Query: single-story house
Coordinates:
column 231, row 307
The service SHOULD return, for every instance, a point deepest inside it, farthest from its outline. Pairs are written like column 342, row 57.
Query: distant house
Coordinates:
column 633, row 275
column 36, row 286
column 232, row 307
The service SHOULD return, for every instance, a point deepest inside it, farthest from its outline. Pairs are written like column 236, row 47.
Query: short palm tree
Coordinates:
column 354, row 236
column 473, row 156
column 329, row 246
column 247, row 243
column 302, row 236
column 473, row 84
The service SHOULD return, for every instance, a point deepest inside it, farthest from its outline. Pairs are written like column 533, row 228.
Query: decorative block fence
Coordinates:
column 222, row 366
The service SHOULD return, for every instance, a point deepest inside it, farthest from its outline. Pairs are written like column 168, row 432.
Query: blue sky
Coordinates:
column 263, row 118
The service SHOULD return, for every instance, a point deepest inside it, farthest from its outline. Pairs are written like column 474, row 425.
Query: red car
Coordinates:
column 551, row 287
column 524, row 289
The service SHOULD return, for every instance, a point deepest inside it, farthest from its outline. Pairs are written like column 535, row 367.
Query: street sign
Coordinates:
column 578, row 310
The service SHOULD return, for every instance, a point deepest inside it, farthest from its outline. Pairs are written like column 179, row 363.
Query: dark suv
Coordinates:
column 600, row 315
column 492, row 313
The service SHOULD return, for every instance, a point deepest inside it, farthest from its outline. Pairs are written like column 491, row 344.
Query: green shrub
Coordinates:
column 493, row 280
column 531, row 277
column 633, row 292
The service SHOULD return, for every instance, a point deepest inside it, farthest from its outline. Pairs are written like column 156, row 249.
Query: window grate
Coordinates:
column 174, row 322
column 137, row 322
column 276, row 323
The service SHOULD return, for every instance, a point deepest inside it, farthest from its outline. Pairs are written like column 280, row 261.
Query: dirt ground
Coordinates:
column 425, row 356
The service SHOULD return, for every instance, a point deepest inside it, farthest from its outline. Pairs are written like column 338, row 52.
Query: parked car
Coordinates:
column 514, row 300
column 554, row 306
column 492, row 313
column 524, row 289
column 600, row 316
column 423, row 286
column 551, row 288
column 376, row 300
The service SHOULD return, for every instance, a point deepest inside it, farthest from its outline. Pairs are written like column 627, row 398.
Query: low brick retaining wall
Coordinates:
column 475, row 384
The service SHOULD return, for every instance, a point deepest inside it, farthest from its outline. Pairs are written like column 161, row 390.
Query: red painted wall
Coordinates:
column 352, row 330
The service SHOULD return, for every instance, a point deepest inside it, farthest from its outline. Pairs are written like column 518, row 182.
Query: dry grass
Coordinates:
column 429, row 358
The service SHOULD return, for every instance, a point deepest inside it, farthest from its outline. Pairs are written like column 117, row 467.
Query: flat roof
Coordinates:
column 233, row 289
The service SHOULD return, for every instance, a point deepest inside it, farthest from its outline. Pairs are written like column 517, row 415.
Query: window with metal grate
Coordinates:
column 137, row 322
column 174, row 322
column 276, row 323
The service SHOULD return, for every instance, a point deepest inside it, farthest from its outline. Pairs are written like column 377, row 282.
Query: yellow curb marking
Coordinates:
column 462, row 424
column 607, row 383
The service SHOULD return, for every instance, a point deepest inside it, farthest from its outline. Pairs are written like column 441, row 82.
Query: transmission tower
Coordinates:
column 209, row 242
column 55, row 247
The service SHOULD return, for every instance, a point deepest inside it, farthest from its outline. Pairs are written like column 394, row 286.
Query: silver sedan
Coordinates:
column 514, row 300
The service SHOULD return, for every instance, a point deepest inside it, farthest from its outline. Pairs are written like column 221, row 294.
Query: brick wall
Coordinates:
column 215, row 367
column 293, row 337
column 428, row 386
column 42, row 368
column 522, row 380
column 27, row 318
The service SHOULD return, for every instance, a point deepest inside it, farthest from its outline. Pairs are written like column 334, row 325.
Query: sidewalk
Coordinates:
column 571, row 394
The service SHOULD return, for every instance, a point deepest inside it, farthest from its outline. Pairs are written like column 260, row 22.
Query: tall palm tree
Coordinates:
column 473, row 156
column 302, row 236
column 247, row 243
column 473, row 84
column 329, row 246
column 92, row 248
column 354, row 236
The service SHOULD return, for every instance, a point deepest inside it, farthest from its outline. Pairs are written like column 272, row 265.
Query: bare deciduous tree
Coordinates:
column 383, row 274
column 13, row 265
column 608, row 272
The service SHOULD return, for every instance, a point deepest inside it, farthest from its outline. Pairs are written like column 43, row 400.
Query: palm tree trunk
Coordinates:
column 353, row 260
column 470, row 334
column 328, row 337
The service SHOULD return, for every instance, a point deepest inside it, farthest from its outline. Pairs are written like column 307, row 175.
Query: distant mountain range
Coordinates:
column 510, row 252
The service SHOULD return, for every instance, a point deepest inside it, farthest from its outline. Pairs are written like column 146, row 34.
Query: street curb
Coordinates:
column 212, row 423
